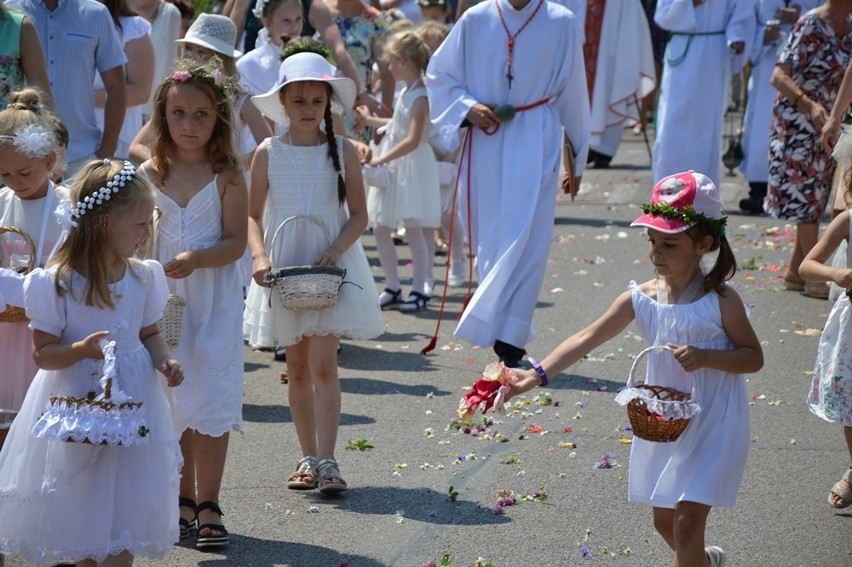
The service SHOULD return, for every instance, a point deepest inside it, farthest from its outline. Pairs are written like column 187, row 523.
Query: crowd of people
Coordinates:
column 190, row 159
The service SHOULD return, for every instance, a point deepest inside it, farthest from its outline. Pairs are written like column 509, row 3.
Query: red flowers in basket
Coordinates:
column 489, row 391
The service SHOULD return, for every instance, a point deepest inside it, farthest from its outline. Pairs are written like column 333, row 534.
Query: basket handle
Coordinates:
column 643, row 354
column 294, row 217
column 31, row 262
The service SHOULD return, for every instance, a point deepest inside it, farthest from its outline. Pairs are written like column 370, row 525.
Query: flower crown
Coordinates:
column 225, row 86
column 97, row 198
column 33, row 140
column 311, row 46
column 686, row 214
column 258, row 8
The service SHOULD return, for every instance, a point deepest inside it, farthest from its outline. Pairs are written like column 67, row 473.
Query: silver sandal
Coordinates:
column 305, row 468
column 330, row 481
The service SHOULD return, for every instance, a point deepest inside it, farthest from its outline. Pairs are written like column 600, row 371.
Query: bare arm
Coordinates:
column 139, row 72
column 156, row 345
column 419, row 118
column 320, row 18
column 32, row 61
column 841, row 104
column 114, row 106
column 50, row 354
column 237, row 11
column 139, row 150
column 788, row 88
column 815, row 268
column 258, row 191
column 260, row 129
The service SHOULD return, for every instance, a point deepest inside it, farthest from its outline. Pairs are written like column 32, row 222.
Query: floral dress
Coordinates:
column 11, row 71
column 800, row 169
column 358, row 34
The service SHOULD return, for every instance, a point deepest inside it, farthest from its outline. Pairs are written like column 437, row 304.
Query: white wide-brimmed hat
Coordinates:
column 302, row 67
column 215, row 32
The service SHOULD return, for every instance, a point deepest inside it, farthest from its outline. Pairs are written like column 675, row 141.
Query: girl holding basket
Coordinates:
column 306, row 185
column 704, row 344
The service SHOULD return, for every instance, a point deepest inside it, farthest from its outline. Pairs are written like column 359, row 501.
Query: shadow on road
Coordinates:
column 281, row 414
column 420, row 504
column 356, row 357
column 245, row 551
column 370, row 387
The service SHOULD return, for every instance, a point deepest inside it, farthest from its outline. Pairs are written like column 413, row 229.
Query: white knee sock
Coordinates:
column 387, row 256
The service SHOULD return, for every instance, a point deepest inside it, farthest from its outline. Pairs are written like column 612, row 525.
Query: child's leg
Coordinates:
column 429, row 240
column 387, row 256
column 420, row 259
column 840, row 495
column 847, row 433
column 323, row 370
column 187, row 473
column 690, row 521
column 301, row 396
column 664, row 524
column 210, row 453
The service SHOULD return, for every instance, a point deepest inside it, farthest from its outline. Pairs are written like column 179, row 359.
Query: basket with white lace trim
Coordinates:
column 656, row 413
column 111, row 418
column 305, row 287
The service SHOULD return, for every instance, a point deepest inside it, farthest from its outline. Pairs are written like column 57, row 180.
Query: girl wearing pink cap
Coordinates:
column 682, row 480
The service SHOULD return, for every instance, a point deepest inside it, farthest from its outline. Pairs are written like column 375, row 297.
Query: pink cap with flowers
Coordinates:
column 681, row 201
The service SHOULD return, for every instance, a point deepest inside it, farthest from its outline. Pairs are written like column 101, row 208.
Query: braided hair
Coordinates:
column 333, row 152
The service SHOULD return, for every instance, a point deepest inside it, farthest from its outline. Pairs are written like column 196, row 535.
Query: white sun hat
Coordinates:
column 302, row 67
column 215, row 32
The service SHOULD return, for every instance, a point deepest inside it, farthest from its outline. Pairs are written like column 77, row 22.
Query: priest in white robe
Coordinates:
column 510, row 200
column 710, row 41
column 767, row 45
column 624, row 75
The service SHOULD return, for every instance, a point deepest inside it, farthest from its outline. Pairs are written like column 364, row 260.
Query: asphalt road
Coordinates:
column 398, row 512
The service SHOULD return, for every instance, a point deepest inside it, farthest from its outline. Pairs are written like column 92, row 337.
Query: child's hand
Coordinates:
column 173, row 372
column 260, row 271
column 689, row 357
column 181, row 265
column 90, row 347
column 363, row 111
column 523, row 381
column 365, row 153
column 846, row 280
column 329, row 257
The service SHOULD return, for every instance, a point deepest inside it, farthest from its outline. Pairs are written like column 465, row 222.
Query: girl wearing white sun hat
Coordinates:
column 215, row 32
column 306, row 186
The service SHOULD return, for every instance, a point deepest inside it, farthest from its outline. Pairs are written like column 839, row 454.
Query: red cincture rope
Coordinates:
column 510, row 42
column 466, row 152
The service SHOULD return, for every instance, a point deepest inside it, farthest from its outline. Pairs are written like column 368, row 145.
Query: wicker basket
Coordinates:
column 305, row 287
column 110, row 419
column 14, row 314
column 172, row 321
column 648, row 424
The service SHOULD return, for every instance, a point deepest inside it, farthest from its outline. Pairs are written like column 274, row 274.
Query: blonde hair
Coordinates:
column 431, row 30
column 25, row 108
column 221, row 89
column 87, row 248
column 408, row 46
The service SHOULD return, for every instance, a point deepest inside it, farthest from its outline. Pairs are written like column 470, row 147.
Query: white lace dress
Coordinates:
column 64, row 502
column 414, row 193
column 210, row 399
column 830, row 395
column 706, row 464
column 303, row 182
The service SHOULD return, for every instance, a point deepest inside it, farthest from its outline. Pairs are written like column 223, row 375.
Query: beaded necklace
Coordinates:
column 510, row 41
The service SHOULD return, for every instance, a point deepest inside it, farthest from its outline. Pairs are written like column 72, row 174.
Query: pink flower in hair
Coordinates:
column 181, row 76
column 218, row 76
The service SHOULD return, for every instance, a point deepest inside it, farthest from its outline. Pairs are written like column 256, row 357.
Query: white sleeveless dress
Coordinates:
column 211, row 344
column 414, row 194
column 706, row 464
column 303, row 182
column 830, row 395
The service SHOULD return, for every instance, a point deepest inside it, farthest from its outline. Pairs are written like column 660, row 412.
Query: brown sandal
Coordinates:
column 305, row 477
column 842, row 489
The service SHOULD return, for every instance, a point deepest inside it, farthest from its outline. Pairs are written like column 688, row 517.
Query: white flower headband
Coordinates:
column 103, row 194
column 258, row 8
column 32, row 140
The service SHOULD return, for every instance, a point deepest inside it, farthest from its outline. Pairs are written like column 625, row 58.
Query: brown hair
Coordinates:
column 87, row 248
column 221, row 92
column 118, row 9
column 432, row 30
column 408, row 45
column 726, row 264
column 25, row 108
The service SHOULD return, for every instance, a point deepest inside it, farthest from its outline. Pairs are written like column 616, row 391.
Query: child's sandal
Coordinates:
column 715, row 555
column 305, row 477
column 416, row 302
column 842, row 491
column 211, row 541
column 187, row 526
column 390, row 299
column 330, row 481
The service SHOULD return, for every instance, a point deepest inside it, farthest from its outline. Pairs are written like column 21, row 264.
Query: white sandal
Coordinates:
column 716, row 555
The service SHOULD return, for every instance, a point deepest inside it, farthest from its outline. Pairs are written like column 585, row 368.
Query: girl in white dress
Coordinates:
column 412, row 196
column 830, row 395
column 116, row 498
column 27, row 159
column 313, row 177
column 711, row 344
column 201, row 235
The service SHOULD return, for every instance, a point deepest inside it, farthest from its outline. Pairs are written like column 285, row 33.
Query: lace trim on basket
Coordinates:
column 667, row 409
column 67, row 420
